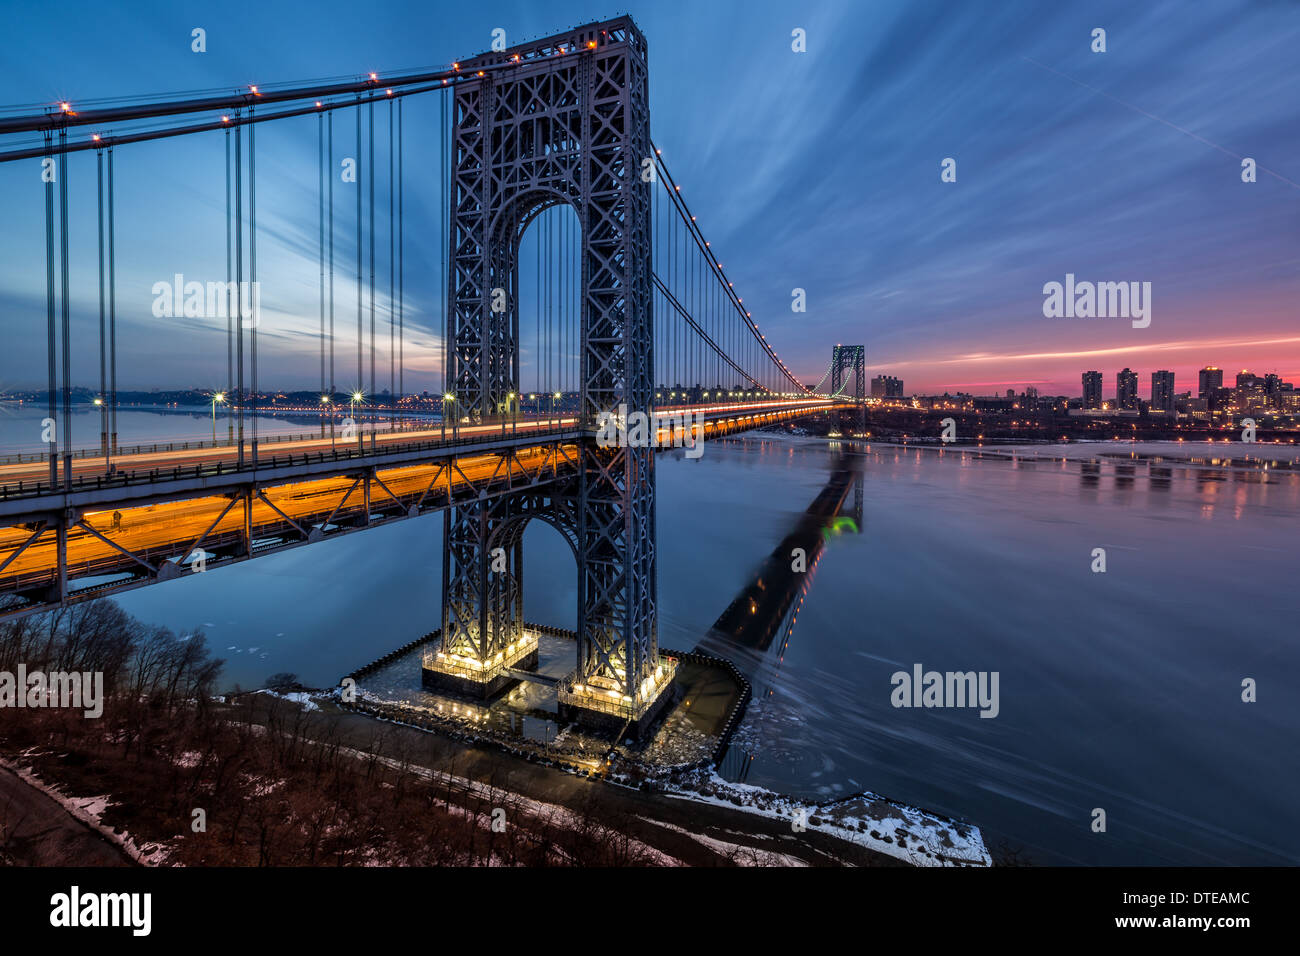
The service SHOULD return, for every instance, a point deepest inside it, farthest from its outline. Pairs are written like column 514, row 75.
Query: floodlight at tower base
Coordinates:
column 480, row 679
column 604, row 706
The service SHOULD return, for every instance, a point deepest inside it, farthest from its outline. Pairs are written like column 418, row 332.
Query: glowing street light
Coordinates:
column 103, row 430
column 354, row 400
column 218, row 398
column 448, row 399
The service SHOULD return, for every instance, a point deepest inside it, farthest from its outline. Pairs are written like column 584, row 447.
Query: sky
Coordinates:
column 817, row 170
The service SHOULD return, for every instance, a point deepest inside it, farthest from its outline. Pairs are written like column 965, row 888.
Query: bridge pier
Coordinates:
column 482, row 602
column 621, row 683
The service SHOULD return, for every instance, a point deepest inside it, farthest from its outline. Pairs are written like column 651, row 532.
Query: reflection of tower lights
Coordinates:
column 804, row 588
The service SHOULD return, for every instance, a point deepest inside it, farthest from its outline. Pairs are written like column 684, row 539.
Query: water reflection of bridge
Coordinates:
column 768, row 606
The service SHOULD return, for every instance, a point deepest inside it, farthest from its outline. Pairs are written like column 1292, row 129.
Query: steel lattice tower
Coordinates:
column 565, row 122
column 843, row 358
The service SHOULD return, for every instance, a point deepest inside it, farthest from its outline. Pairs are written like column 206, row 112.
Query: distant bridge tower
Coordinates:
column 844, row 358
column 564, row 120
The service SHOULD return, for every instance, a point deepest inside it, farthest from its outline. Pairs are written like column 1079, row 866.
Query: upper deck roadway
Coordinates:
column 161, row 514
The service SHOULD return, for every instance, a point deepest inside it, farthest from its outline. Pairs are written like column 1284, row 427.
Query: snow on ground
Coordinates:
column 738, row 853
column 906, row 833
column 90, row 810
column 554, row 813
column 302, row 698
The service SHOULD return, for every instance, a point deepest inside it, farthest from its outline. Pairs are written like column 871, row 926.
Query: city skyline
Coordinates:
column 1144, row 383
column 1145, row 380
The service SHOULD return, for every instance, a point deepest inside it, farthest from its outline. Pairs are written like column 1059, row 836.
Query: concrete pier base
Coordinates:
column 610, row 725
column 441, row 681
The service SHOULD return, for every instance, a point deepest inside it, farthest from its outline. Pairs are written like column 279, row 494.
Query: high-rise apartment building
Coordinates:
column 1092, row 389
column 1126, row 389
column 886, row 386
column 1162, row 391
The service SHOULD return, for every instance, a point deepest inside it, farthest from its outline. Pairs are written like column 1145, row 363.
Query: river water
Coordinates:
column 1119, row 691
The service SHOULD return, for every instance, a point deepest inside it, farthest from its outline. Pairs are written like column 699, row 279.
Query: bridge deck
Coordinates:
column 161, row 510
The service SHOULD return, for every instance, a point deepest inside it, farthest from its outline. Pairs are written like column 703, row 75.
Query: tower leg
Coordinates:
column 482, row 603
column 622, row 682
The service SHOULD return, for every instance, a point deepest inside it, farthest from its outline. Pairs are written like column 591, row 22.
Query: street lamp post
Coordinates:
column 326, row 410
column 354, row 401
column 218, row 398
column 448, row 399
column 103, row 433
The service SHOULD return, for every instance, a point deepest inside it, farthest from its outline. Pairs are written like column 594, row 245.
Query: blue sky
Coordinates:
column 816, row 170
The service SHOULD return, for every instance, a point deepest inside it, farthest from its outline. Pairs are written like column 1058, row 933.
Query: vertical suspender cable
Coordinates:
column 552, row 320
column 330, row 175
column 654, row 292
column 564, row 297
column 112, row 314
column 557, row 294
column 371, row 167
column 674, row 283
column 254, row 293
column 572, row 247
column 361, row 378
column 230, row 316
column 537, row 310
column 401, row 265
column 392, row 266
column 239, row 282
column 692, row 371
column 51, row 337
column 446, row 196
column 320, row 242
column 675, row 276
column 67, row 314
column 561, row 312
column 103, row 364
column 551, row 384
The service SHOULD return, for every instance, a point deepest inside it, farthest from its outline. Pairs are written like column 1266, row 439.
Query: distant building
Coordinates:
column 1092, row 389
column 1219, row 399
column 1211, row 377
column 1126, row 390
column 886, row 386
column 994, row 404
column 1162, row 392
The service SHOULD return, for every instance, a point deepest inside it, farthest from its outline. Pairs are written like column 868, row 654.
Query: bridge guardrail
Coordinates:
column 27, row 489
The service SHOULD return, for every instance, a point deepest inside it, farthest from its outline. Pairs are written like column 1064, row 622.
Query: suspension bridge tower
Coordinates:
column 851, row 358
column 564, row 120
